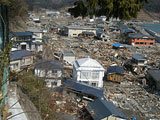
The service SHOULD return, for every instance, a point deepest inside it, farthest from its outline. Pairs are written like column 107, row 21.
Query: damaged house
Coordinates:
column 51, row 71
column 139, row 60
column 75, row 31
column 101, row 110
column 153, row 79
column 89, row 71
column 83, row 91
column 115, row 74
column 137, row 39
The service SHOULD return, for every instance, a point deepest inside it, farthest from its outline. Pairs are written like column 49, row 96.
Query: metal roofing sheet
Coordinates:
column 139, row 57
column 97, row 92
column 155, row 74
column 115, row 69
column 100, row 109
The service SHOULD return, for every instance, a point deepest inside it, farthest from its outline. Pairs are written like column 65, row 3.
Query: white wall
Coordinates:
column 71, row 32
column 77, row 77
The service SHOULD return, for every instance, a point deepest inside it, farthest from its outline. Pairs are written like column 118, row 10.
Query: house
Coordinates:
column 23, row 41
column 74, row 31
column 88, row 71
column 22, row 36
column 84, row 91
column 101, row 110
column 137, row 39
column 139, row 60
column 20, row 59
column 37, row 34
column 50, row 70
column 153, row 79
column 68, row 56
column 115, row 73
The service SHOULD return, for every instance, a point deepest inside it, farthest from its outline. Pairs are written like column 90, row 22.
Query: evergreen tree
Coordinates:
column 123, row 9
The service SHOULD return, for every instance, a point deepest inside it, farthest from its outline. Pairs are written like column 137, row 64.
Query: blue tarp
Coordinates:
column 83, row 88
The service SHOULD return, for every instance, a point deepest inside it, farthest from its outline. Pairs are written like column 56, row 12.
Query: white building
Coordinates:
column 50, row 70
column 37, row 34
column 89, row 71
column 74, row 31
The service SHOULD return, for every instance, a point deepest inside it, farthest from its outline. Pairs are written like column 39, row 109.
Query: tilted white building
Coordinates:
column 89, row 71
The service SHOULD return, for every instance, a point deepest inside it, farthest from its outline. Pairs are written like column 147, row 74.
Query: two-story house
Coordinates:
column 20, row 59
column 50, row 70
column 37, row 34
column 88, row 71
column 25, row 41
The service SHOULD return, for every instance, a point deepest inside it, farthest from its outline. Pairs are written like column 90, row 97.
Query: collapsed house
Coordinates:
column 115, row 74
column 88, row 71
column 139, row 60
column 153, row 79
column 137, row 39
column 74, row 31
column 83, row 91
column 101, row 110
column 102, row 36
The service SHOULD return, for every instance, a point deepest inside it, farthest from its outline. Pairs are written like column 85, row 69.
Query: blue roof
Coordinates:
column 100, row 109
column 115, row 69
column 117, row 45
column 86, row 89
column 139, row 57
column 22, row 33
column 19, row 54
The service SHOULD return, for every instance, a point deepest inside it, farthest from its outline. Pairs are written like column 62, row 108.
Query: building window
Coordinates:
column 141, row 43
column 74, row 34
column 14, row 66
column 95, row 75
column 54, row 71
column 137, row 43
column 151, row 43
column 22, row 61
column 85, row 75
column 28, row 60
column 94, row 83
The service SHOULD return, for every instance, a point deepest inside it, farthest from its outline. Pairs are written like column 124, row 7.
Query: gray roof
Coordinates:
column 81, row 28
column 138, row 35
column 22, row 34
column 84, row 88
column 139, row 57
column 49, row 65
column 34, row 30
column 100, row 109
column 37, row 43
column 68, row 53
column 19, row 54
column 155, row 74
column 115, row 69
